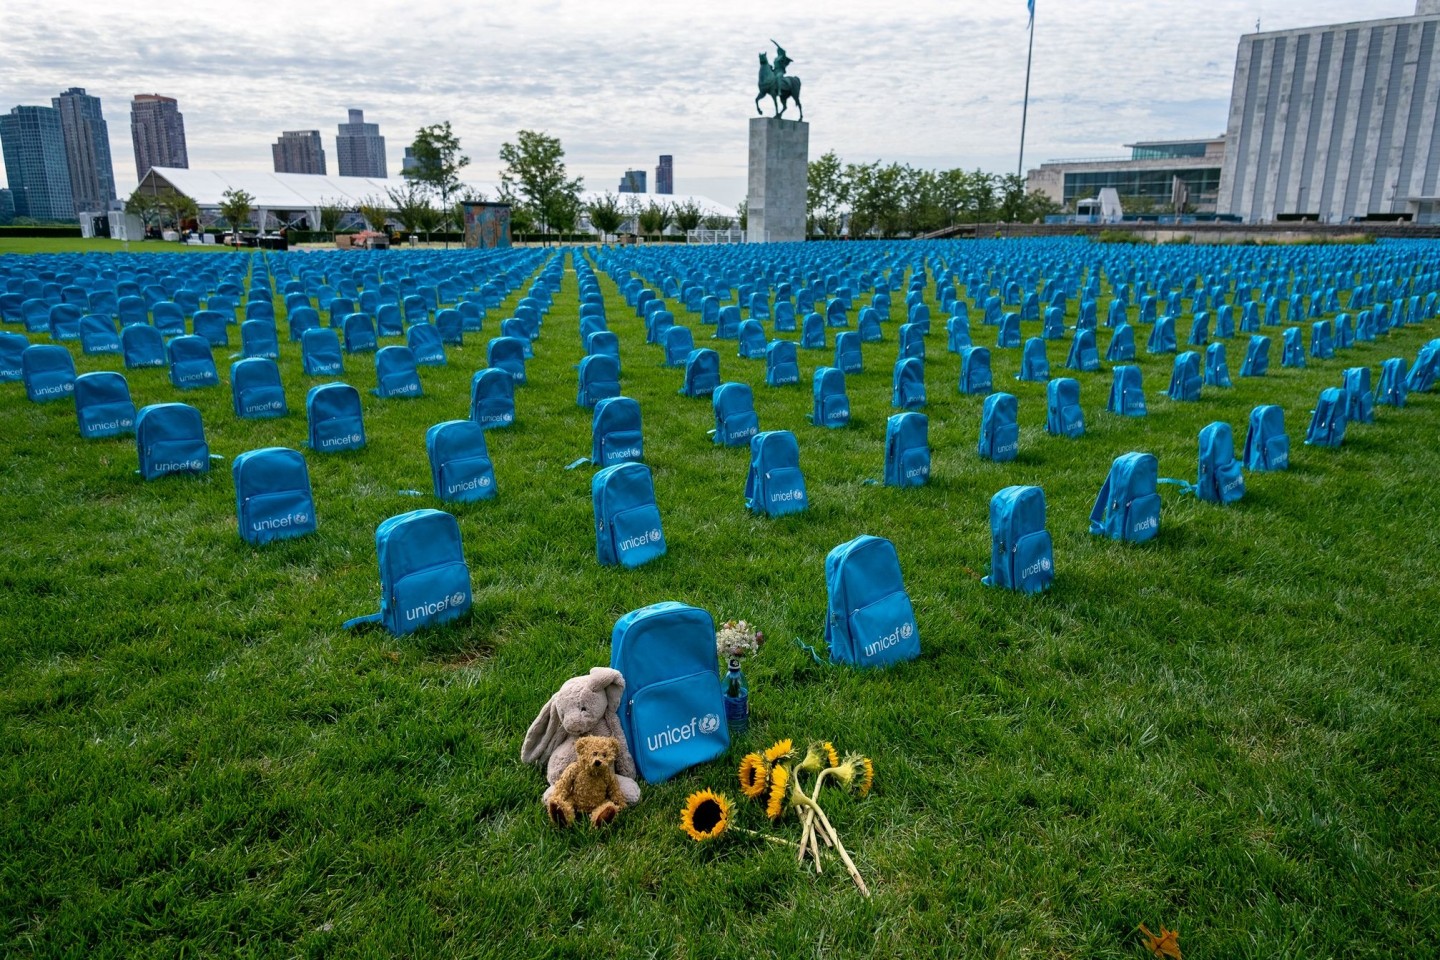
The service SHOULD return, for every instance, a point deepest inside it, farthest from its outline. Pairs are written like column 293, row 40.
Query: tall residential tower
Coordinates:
column 299, row 151
column 157, row 129
column 359, row 148
column 665, row 174
column 35, row 166
column 87, row 149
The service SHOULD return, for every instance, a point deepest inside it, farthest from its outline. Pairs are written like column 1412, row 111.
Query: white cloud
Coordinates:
column 928, row 82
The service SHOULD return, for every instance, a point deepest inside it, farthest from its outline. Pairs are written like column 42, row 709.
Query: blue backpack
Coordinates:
column 599, row 378
column 812, row 332
column 1220, row 479
column 334, row 417
column 424, row 342
column 1422, row 374
column 1128, row 507
column 752, row 340
column 919, row 318
column 1118, row 314
column 359, row 333
column 1294, row 349
column 48, row 372
column 1359, row 398
column 396, row 374
column 1162, row 336
column 1257, row 357
column 831, row 405
column 1217, row 371
column 735, row 418
column 191, row 363
column 1054, row 325
column 1083, row 354
column 1392, row 383
column 673, row 715
column 847, row 352
column 97, row 335
column 999, row 428
column 782, row 365
column 508, row 354
column 869, row 620
column 259, row 339
column 907, row 388
column 1322, row 340
column 1327, row 424
column 604, row 343
column 907, row 450
column 1009, row 333
column 273, row 500
column 627, row 520
column 1267, row 446
column 702, row 373
column 103, row 406
column 460, row 467
column 451, row 327
column 320, row 353
column 255, row 389
column 1063, row 416
column 1127, row 393
column 775, row 486
column 170, row 438
column 784, row 317
column 1021, row 554
column 424, row 579
column 615, row 434
column 1225, row 322
column 492, row 398
column 679, row 342
column 1344, row 332
column 1199, row 330
column 975, row 376
column 727, row 323
column 303, row 319
column 957, row 334
column 1034, row 365
column 1122, row 344
column 868, row 326
column 912, row 342
column 1185, row 379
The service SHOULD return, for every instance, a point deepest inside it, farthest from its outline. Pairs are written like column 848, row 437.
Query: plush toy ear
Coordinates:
column 610, row 681
column 544, row 736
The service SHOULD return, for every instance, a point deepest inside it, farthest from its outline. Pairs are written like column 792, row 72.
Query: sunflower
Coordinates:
column 813, row 762
column 832, row 756
column 780, row 750
column 779, row 792
column 867, row 773
column 706, row 815
column 754, row 775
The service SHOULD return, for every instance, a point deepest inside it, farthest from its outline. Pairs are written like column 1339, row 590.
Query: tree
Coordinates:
column 716, row 221
column 413, row 209
column 827, row 192
column 535, row 170
column 375, row 213
column 687, row 215
column 235, row 207
column 743, row 209
column 438, row 162
column 605, row 215
column 143, row 205
column 655, row 218
column 331, row 213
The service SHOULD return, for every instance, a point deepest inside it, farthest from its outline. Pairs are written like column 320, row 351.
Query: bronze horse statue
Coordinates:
column 781, row 89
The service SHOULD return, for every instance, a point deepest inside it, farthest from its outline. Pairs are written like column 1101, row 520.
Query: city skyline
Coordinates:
column 935, row 85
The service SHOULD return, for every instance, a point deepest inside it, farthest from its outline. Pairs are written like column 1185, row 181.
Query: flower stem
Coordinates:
column 840, row 849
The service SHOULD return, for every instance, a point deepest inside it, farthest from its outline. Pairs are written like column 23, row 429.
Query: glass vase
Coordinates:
column 737, row 699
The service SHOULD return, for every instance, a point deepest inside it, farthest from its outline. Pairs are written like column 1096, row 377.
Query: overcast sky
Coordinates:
column 934, row 83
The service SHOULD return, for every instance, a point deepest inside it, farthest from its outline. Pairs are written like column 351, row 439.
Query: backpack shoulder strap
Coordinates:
column 1097, row 512
column 352, row 624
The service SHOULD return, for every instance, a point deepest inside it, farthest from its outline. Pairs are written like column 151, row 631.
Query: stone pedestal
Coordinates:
column 779, row 171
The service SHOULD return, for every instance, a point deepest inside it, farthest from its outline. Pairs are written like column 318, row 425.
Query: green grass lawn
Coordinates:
column 1230, row 730
column 98, row 245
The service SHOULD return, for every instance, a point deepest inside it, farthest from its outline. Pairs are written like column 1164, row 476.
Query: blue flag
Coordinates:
column 1031, row 5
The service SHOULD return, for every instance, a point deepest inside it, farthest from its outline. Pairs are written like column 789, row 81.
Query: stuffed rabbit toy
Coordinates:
column 583, row 706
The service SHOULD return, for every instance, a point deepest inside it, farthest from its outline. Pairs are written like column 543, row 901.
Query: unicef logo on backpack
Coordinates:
column 640, row 540
column 673, row 736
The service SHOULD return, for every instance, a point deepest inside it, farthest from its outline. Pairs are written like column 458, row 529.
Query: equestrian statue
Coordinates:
column 781, row 89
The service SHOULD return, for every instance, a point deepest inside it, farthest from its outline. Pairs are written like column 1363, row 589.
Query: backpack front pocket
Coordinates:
column 1142, row 518
column 675, row 724
column 466, row 480
column 176, row 456
column 1277, row 453
column 914, row 466
column 1004, row 442
column 1034, row 562
column 884, row 632
column 107, row 419
column 784, row 491
column 621, row 446
column 835, row 410
column 339, row 433
column 277, row 516
column 738, row 428
column 262, row 403
column 636, row 536
column 1229, row 482
column 1072, row 420
column 428, row 597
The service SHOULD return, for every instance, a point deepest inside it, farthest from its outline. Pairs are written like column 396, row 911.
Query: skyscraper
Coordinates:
column 7, row 206
column 633, row 182
column 359, row 148
column 35, row 163
column 409, row 161
column 157, row 129
column 87, row 149
column 665, row 174
column 299, row 151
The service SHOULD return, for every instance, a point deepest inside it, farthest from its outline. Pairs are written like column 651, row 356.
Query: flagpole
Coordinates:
column 1025, row 109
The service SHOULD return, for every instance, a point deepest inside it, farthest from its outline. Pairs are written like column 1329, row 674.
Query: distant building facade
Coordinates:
column 409, row 161
column 359, row 148
column 1336, row 122
column 1150, row 172
column 665, row 174
column 299, row 151
column 7, row 206
column 633, row 181
column 87, row 149
column 157, row 129
column 35, row 164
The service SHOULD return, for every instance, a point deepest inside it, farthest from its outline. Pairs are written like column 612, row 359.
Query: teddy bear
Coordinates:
column 589, row 785
column 582, row 706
